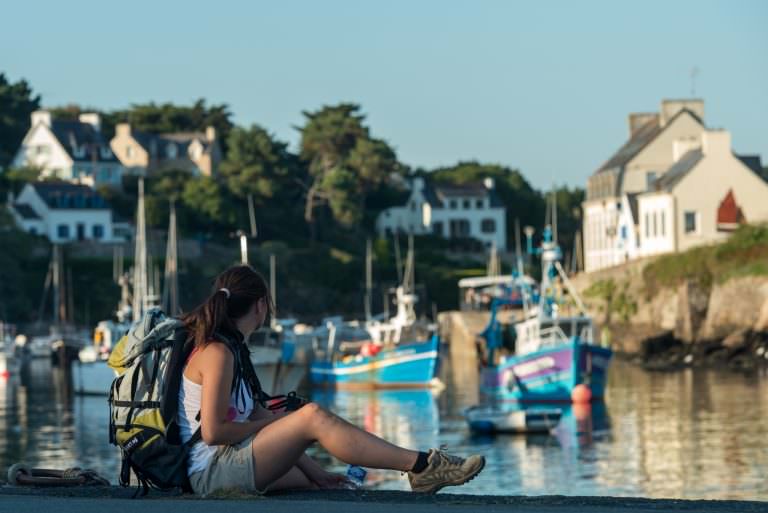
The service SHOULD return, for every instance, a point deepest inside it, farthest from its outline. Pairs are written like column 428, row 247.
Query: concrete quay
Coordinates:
column 86, row 500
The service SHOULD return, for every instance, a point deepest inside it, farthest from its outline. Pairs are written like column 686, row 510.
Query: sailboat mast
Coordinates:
column 170, row 279
column 140, row 259
column 368, row 278
column 273, row 287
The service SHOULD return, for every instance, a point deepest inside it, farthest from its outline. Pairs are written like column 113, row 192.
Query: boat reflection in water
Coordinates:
column 408, row 418
column 545, row 463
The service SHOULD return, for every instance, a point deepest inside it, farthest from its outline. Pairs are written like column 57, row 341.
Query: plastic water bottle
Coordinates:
column 356, row 474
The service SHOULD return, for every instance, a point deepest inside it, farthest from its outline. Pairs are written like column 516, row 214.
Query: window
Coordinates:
column 690, row 222
column 655, row 228
column 80, row 231
column 623, row 232
column 452, row 204
column 171, row 151
column 488, row 226
column 42, row 150
column 650, row 179
column 32, row 230
column 663, row 224
column 437, row 228
column 105, row 152
column 459, row 228
column 479, row 203
column 62, row 231
column 98, row 231
column 647, row 225
column 467, row 204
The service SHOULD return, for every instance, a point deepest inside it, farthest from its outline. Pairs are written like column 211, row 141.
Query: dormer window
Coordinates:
column 105, row 152
column 171, row 151
column 79, row 151
column 467, row 204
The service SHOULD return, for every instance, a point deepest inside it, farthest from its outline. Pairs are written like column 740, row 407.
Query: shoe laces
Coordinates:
column 449, row 458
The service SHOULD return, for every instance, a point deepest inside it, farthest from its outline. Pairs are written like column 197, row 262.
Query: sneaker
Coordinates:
column 445, row 470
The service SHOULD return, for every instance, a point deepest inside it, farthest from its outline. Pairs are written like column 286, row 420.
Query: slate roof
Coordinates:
column 678, row 170
column 437, row 194
column 752, row 162
column 75, row 135
column 157, row 144
column 64, row 195
column 632, row 200
column 639, row 140
column 25, row 211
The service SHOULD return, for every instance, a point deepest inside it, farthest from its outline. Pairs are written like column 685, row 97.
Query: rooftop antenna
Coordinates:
column 694, row 74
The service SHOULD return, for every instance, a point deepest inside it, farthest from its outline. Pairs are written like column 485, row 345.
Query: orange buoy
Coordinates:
column 581, row 394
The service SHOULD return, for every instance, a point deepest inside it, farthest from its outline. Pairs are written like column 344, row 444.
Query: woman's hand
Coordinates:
column 331, row 481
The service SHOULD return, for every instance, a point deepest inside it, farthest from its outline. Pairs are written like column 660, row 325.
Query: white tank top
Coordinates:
column 190, row 394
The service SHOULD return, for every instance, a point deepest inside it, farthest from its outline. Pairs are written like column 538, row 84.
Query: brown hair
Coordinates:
column 233, row 295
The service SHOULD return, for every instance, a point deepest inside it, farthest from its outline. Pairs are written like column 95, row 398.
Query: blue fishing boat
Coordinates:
column 546, row 356
column 403, row 366
column 399, row 352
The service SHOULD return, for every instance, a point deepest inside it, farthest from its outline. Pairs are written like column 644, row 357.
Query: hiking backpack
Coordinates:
column 144, row 401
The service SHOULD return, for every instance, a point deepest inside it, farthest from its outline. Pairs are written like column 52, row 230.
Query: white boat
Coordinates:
column 491, row 419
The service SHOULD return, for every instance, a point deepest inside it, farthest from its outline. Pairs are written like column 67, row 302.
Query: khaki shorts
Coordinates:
column 231, row 467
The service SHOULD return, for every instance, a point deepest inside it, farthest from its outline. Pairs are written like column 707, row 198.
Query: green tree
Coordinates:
column 17, row 102
column 163, row 188
column 256, row 163
column 208, row 200
column 344, row 162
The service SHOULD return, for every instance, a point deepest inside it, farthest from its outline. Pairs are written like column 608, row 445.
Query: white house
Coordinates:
column 69, row 150
column 465, row 210
column 705, row 195
column 610, row 209
column 63, row 212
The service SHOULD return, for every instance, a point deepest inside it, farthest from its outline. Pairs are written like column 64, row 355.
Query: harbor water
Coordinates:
column 689, row 434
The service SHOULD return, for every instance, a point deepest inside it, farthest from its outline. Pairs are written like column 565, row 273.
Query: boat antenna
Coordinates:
column 398, row 259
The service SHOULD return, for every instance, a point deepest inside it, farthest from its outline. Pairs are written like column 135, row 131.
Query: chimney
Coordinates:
column 683, row 145
column 716, row 142
column 639, row 119
column 91, row 118
column 671, row 107
column 41, row 116
column 123, row 130
column 210, row 133
column 489, row 183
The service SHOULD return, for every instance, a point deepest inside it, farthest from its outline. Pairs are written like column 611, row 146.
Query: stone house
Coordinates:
column 146, row 153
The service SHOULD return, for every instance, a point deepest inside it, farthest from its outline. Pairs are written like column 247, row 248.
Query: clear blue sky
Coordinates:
column 542, row 86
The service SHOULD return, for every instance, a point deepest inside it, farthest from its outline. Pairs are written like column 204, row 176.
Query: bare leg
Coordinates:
column 294, row 479
column 278, row 446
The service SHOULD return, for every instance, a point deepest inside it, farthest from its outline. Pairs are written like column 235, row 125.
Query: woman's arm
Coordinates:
column 217, row 371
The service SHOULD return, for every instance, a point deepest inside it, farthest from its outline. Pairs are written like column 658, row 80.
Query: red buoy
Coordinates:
column 581, row 394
